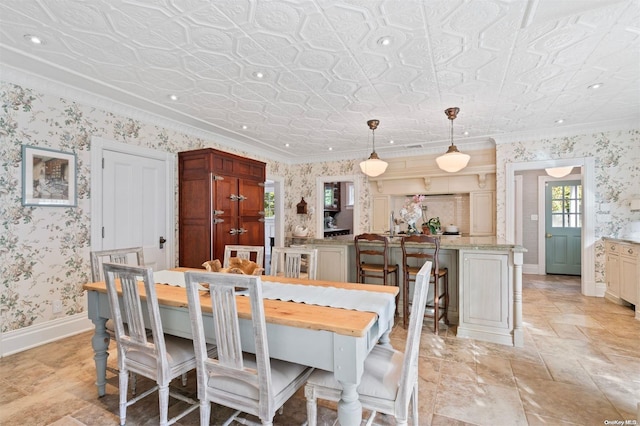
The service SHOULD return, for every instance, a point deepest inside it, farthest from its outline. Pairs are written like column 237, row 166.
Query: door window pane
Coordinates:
column 566, row 205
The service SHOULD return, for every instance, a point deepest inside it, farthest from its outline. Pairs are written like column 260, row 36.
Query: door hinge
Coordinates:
column 103, row 232
column 103, row 162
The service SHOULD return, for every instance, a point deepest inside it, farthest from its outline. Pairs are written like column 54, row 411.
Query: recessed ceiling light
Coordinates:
column 560, row 121
column 244, row 127
column 595, row 86
column 384, row 41
column 258, row 74
column 287, row 145
column 33, row 39
column 465, row 133
column 392, row 141
column 173, row 97
column 330, row 149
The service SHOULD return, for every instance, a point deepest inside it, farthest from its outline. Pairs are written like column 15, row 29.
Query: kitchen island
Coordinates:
column 485, row 281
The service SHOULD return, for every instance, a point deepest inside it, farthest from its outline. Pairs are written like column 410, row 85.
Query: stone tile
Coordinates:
column 567, row 402
column 493, row 370
column 568, row 370
column 479, row 404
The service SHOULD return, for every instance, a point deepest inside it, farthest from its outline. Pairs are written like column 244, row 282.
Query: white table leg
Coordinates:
column 349, row 406
column 100, row 343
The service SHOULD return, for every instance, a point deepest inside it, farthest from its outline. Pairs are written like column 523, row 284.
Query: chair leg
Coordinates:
column 123, row 382
column 414, row 404
column 205, row 412
column 312, row 408
column 163, row 398
column 184, row 379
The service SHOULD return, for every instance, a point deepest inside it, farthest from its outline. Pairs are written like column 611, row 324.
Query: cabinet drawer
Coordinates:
column 612, row 247
column 629, row 251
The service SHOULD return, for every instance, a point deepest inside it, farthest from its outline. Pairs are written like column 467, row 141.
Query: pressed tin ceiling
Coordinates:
column 262, row 74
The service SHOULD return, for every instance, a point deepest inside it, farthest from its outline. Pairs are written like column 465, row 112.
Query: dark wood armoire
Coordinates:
column 221, row 201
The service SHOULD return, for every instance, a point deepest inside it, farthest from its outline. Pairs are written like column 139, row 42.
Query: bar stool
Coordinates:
column 440, row 295
column 376, row 245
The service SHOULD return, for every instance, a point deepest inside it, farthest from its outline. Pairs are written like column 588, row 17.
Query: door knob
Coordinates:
column 548, row 235
column 162, row 241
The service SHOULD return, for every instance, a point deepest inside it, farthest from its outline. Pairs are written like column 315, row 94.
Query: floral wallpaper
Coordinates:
column 617, row 180
column 44, row 251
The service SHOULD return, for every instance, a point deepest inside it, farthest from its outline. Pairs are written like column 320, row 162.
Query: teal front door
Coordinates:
column 563, row 221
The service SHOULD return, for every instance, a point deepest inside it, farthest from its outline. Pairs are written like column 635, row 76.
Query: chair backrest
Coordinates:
column 412, row 347
column 288, row 261
column 253, row 253
column 129, row 309
column 226, row 327
column 376, row 245
column 421, row 253
column 126, row 256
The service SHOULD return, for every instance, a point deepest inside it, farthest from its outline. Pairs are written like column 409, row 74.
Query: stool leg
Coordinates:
column 436, row 302
column 446, row 298
column 405, row 298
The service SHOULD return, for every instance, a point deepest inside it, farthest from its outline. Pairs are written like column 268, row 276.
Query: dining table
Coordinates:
column 328, row 335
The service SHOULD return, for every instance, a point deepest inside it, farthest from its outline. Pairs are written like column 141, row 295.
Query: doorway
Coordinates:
column 588, row 284
column 353, row 192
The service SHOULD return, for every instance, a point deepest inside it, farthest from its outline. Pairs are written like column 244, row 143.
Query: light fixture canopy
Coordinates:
column 373, row 166
column 453, row 160
column 559, row 172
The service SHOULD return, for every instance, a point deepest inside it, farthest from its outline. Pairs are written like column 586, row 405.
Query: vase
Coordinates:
column 411, row 229
column 426, row 230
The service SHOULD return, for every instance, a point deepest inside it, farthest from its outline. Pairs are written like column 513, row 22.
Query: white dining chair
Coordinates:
column 390, row 378
column 247, row 383
column 124, row 256
column 289, row 262
column 160, row 358
column 253, row 253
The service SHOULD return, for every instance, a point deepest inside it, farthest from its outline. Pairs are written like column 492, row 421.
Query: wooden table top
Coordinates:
column 300, row 315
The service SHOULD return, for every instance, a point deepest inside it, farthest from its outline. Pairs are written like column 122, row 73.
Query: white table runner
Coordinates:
column 383, row 304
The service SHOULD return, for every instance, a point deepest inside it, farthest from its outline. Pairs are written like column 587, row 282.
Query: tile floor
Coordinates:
column 580, row 366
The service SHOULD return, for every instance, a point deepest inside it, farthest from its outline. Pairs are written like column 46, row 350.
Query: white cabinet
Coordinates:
column 622, row 272
column 482, row 213
column 333, row 262
column 486, row 294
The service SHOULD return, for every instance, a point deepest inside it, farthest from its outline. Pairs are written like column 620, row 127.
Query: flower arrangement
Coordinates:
column 412, row 211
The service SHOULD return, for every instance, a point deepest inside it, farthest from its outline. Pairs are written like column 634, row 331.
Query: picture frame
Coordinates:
column 49, row 177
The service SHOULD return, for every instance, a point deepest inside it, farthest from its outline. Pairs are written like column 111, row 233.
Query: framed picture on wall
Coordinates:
column 48, row 177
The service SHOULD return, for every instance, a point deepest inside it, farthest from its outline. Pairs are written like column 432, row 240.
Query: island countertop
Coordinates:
column 446, row 242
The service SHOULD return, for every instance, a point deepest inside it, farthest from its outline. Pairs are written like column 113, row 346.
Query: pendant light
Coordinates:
column 453, row 160
column 373, row 166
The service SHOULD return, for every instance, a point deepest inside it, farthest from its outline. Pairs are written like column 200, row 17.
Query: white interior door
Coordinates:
column 134, row 200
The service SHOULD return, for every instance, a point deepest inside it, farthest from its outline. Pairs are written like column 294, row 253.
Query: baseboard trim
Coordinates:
column 39, row 334
column 530, row 269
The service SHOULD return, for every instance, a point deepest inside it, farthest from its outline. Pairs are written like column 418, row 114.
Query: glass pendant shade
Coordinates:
column 453, row 160
column 558, row 172
column 373, row 166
